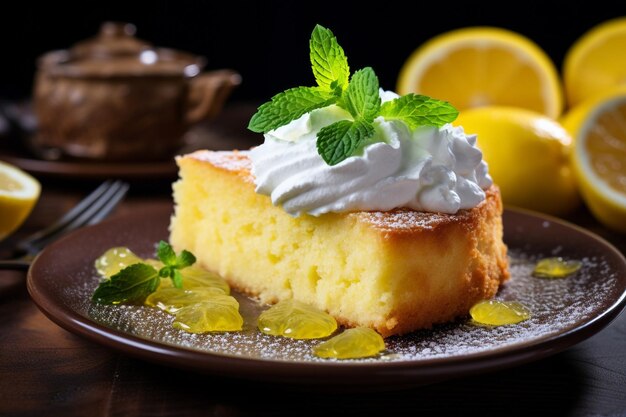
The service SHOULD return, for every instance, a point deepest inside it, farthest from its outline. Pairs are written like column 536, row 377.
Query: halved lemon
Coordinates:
column 596, row 62
column 528, row 156
column 483, row 66
column 18, row 194
column 598, row 127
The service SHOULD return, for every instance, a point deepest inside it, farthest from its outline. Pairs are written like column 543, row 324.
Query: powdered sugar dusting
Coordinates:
column 557, row 306
column 406, row 220
column 236, row 161
column 403, row 219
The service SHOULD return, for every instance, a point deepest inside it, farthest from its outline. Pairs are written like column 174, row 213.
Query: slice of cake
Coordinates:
column 393, row 271
column 364, row 204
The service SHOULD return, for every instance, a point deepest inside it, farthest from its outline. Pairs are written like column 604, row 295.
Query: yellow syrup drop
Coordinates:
column 219, row 313
column 556, row 268
column 360, row 342
column 499, row 313
column 296, row 320
column 114, row 260
column 173, row 299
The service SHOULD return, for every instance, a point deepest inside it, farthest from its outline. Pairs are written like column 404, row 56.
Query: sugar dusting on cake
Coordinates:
column 557, row 306
column 402, row 219
column 235, row 161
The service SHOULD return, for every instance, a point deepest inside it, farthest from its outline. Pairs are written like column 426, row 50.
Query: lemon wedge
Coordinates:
column 18, row 194
column 482, row 66
column 598, row 127
column 528, row 156
column 596, row 62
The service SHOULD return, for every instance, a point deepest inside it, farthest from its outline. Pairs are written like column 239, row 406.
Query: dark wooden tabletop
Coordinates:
column 47, row 371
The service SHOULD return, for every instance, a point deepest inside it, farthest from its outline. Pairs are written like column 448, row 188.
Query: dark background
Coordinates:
column 267, row 42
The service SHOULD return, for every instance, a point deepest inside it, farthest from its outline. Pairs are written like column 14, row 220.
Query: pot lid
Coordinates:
column 115, row 51
column 114, row 39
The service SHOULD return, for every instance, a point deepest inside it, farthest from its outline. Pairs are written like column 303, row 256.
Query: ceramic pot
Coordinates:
column 117, row 98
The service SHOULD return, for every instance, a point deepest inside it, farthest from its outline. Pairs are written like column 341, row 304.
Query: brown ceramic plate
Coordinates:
column 94, row 170
column 565, row 312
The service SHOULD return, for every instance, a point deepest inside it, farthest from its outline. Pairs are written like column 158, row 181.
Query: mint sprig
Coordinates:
column 418, row 110
column 359, row 96
column 173, row 263
column 135, row 282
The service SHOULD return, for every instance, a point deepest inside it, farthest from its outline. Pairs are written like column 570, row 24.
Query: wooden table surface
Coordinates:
column 47, row 371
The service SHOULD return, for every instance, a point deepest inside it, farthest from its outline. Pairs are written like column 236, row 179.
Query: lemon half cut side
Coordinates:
column 483, row 66
column 599, row 130
column 18, row 194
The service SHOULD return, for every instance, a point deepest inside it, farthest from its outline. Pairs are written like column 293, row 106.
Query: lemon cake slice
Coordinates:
column 394, row 271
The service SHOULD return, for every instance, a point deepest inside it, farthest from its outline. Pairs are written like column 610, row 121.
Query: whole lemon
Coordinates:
column 528, row 156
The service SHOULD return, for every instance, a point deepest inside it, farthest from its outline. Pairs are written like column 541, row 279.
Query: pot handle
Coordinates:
column 208, row 92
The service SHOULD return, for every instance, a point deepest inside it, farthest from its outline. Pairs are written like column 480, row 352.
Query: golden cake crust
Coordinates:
column 432, row 267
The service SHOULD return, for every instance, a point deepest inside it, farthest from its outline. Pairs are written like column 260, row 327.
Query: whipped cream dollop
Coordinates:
column 426, row 169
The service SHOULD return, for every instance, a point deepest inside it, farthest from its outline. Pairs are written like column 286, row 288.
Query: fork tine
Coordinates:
column 110, row 205
column 84, row 218
column 76, row 217
column 68, row 217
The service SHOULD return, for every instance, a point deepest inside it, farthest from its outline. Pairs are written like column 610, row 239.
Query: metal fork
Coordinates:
column 90, row 210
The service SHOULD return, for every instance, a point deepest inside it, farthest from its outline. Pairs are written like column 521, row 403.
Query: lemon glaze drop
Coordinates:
column 296, row 320
column 219, row 313
column 173, row 299
column 360, row 342
column 556, row 268
column 114, row 260
column 499, row 313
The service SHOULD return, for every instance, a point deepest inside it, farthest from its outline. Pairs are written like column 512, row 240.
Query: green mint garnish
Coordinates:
column 328, row 61
column 288, row 106
column 417, row 110
column 135, row 282
column 342, row 139
column 359, row 96
column 173, row 263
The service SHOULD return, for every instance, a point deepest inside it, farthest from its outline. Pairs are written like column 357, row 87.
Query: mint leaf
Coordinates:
column 177, row 279
column 328, row 61
column 361, row 98
column 132, row 284
column 166, row 253
column 173, row 263
column 418, row 110
column 342, row 139
column 185, row 259
column 288, row 106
